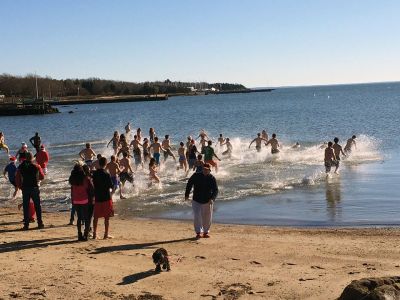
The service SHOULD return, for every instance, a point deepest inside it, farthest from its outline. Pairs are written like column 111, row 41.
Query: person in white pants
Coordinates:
column 205, row 192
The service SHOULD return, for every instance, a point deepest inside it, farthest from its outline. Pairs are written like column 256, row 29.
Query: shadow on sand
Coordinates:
column 22, row 245
column 137, row 246
column 138, row 276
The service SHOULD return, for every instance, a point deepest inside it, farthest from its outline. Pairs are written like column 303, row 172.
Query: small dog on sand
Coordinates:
column 160, row 257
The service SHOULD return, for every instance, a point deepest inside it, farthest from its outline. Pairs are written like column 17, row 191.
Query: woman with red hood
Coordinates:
column 42, row 158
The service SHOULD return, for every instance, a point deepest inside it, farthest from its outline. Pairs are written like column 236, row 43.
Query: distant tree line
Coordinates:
column 25, row 87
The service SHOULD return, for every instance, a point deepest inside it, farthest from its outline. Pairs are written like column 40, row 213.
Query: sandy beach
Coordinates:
column 246, row 262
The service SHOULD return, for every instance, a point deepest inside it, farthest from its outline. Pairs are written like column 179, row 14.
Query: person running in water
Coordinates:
column 182, row 157
column 329, row 158
column 3, row 143
column 42, row 158
column 229, row 147
column 137, row 154
column 36, row 141
column 153, row 171
column 22, row 153
column 114, row 170
column 157, row 148
column 128, row 128
column 87, row 155
column 192, row 154
column 221, row 140
column 126, row 173
column 209, row 154
column 274, row 144
column 203, row 139
column 258, row 141
column 152, row 135
column 337, row 149
column 349, row 145
column 146, row 149
column 139, row 134
column 167, row 148
column 264, row 134
column 123, row 145
column 10, row 170
column 115, row 142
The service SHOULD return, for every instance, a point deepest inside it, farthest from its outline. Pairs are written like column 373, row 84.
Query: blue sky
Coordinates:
column 257, row 43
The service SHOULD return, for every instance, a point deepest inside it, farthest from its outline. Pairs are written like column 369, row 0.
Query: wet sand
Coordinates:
column 246, row 262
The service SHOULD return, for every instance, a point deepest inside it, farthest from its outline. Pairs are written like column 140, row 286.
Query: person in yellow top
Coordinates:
column 2, row 143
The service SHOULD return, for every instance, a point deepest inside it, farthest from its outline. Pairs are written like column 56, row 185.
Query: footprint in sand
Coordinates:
column 201, row 257
column 253, row 262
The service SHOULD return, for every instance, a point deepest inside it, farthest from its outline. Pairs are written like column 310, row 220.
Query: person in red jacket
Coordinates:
column 27, row 179
column 42, row 158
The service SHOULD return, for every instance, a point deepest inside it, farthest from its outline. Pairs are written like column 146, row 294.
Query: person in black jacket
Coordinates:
column 204, row 193
column 103, row 206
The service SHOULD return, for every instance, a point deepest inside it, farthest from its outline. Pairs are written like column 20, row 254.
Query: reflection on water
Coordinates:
column 333, row 198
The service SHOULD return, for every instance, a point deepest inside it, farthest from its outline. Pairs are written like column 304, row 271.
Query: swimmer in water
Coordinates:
column 182, row 157
column 126, row 171
column 351, row 142
column 258, row 141
column 153, row 171
column 87, row 155
column 123, row 145
column 167, row 148
column 264, row 134
column 137, row 154
column 157, row 148
column 114, row 169
column 221, row 140
column 329, row 158
column 115, row 142
column 338, row 150
column 203, row 139
column 274, row 144
column 229, row 147
column 146, row 149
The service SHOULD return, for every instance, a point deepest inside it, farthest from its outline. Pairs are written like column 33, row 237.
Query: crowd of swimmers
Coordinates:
column 95, row 179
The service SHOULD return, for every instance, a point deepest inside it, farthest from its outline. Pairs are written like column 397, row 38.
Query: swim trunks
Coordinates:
column 182, row 158
column 258, row 148
column 115, row 181
column 274, row 151
column 125, row 176
column 211, row 162
column 157, row 157
column 89, row 162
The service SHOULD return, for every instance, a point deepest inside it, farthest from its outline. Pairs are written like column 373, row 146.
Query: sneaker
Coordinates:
column 198, row 236
column 40, row 226
column 206, row 235
column 26, row 227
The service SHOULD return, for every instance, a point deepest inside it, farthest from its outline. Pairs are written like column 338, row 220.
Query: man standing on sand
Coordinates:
column 330, row 158
column 258, row 141
column 103, row 206
column 349, row 145
column 204, row 194
column 337, row 149
column 274, row 144
column 87, row 155
column 27, row 179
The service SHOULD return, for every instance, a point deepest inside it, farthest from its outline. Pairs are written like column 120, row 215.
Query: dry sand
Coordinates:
column 246, row 262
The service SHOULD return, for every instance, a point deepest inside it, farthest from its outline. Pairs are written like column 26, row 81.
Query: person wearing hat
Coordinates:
column 205, row 191
column 21, row 154
column 27, row 179
column 42, row 158
column 10, row 170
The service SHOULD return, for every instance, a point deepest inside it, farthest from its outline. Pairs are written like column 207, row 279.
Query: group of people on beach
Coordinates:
column 95, row 180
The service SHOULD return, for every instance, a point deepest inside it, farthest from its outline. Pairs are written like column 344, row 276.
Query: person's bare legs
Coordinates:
column 106, row 228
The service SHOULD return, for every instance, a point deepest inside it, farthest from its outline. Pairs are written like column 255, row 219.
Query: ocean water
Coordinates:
column 255, row 188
